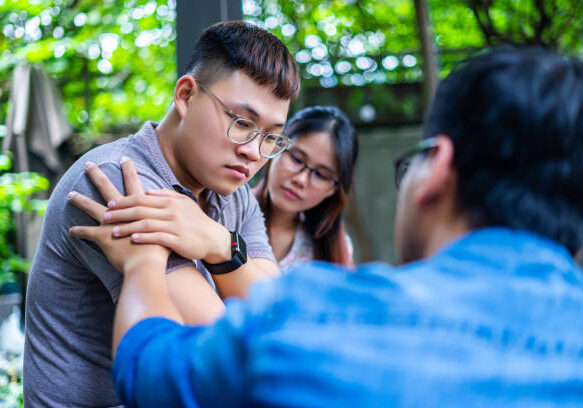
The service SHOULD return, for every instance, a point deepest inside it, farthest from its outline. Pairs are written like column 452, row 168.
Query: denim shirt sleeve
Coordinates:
column 162, row 363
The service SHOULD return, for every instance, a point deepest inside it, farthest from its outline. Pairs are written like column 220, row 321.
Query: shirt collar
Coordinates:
column 504, row 248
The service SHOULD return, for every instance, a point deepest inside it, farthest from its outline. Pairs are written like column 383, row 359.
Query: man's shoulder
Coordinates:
column 325, row 274
column 317, row 285
column 108, row 153
column 108, row 157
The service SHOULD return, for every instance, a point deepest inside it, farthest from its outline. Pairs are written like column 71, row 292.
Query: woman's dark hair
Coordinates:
column 324, row 222
column 515, row 117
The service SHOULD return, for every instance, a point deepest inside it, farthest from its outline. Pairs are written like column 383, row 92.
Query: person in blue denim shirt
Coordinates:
column 485, row 311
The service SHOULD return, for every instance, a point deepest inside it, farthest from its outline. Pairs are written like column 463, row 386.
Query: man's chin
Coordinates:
column 227, row 189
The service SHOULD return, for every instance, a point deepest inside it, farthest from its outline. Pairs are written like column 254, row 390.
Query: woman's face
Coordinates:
column 292, row 186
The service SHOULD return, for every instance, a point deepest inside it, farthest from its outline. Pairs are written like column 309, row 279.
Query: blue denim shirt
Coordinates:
column 494, row 319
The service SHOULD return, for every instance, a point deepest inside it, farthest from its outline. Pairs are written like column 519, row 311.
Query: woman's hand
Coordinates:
column 124, row 255
column 167, row 218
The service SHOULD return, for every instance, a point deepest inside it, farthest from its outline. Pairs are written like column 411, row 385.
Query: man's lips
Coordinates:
column 241, row 169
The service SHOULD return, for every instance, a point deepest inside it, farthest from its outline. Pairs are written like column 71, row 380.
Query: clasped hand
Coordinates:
column 160, row 217
column 121, row 252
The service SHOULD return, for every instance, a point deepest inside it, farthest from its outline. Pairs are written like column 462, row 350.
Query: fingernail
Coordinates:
column 124, row 159
column 111, row 204
column 107, row 217
column 135, row 237
column 115, row 231
column 89, row 165
column 71, row 195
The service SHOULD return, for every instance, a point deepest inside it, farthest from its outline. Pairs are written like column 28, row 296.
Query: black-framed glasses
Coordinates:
column 243, row 130
column 296, row 162
column 404, row 160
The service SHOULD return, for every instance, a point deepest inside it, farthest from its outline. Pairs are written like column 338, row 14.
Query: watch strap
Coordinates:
column 238, row 257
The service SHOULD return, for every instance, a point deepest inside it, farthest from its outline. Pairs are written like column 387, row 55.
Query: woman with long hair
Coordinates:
column 304, row 191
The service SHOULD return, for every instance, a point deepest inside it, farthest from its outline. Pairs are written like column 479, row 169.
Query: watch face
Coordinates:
column 238, row 246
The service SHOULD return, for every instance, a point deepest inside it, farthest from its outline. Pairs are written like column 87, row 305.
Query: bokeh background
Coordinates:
column 112, row 64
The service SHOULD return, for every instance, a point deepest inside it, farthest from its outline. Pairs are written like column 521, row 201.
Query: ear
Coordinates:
column 439, row 174
column 185, row 88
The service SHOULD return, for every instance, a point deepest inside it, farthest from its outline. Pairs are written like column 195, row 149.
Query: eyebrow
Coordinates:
column 318, row 166
column 253, row 113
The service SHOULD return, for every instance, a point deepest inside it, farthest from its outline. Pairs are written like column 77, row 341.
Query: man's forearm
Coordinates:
column 238, row 282
column 144, row 294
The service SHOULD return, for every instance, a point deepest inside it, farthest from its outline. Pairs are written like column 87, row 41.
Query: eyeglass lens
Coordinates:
column 401, row 170
column 319, row 178
column 244, row 130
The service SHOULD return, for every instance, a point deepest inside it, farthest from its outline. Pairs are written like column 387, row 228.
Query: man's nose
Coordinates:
column 250, row 150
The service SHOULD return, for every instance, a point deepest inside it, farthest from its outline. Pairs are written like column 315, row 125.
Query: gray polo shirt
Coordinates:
column 72, row 288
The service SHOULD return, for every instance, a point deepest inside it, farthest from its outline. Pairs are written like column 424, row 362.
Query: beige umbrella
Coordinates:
column 36, row 120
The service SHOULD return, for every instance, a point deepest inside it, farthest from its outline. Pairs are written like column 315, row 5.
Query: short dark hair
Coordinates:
column 324, row 222
column 515, row 116
column 236, row 45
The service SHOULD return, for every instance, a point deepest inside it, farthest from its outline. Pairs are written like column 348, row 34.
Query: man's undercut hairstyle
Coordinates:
column 515, row 117
column 227, row 47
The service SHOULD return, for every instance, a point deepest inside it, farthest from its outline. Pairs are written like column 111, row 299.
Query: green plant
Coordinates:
column 11, row 394
column 16, row 196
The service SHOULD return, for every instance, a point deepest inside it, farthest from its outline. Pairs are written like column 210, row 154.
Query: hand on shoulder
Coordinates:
column 124, row 255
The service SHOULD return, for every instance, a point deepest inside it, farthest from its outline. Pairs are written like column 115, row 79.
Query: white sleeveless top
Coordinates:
column 302, row 250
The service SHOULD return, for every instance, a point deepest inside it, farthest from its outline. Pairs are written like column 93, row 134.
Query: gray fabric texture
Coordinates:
column 73, row 289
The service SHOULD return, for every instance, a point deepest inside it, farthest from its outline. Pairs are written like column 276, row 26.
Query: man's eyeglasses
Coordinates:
column 404, row 160
column 243, row 130
column 296, row 162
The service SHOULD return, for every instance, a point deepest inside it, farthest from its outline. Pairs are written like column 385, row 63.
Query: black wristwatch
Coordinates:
column 238, row 257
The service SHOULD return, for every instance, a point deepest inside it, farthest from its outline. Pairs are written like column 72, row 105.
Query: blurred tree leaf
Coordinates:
column 16, row 195
column 375, row 42
column 115, row 59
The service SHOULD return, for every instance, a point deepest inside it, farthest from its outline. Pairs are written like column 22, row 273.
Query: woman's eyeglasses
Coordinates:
column 297, row 162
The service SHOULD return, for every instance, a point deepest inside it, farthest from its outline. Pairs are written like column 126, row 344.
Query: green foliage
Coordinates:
column 359, row 42
column 11, row 394
column 16, row 190
column 115, row 59
column 549, row 23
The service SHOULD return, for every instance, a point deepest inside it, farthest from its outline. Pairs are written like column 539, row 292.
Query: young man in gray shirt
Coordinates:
column 226, row 121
